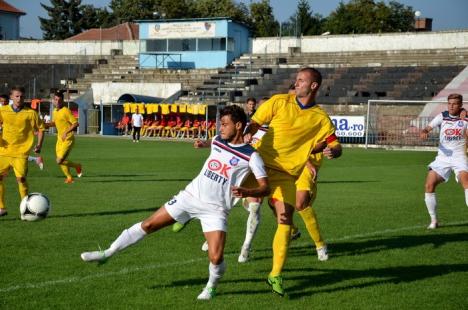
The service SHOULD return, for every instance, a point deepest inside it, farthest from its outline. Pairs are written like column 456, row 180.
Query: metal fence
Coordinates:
column 392, row 123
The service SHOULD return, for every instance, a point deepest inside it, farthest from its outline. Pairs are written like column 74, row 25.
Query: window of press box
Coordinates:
column 216, row 44
column 156, row 45
column 182, row 45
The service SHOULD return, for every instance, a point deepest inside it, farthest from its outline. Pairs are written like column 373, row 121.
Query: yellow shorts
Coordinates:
column 19, row 165
column 284, row 186
column 63, row 148
column 305, row 182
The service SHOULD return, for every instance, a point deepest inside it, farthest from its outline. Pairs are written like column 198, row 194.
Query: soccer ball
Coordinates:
column 34, row 207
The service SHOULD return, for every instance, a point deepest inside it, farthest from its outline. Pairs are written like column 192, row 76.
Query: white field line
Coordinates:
column 134, row 269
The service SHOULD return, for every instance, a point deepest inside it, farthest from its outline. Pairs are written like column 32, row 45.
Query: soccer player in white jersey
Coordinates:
column 209, row 197
column 451, row 155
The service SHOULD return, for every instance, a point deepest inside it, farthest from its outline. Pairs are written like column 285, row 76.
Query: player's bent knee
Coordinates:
column 21, row 179
column 216, row 258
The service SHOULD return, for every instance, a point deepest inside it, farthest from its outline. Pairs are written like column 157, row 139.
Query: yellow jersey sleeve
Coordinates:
column 265, row 113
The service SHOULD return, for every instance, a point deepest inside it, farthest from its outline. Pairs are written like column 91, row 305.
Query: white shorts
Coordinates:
column 444, row 165
column 184, row 207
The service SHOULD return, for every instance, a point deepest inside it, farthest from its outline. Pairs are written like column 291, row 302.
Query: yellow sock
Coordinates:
column 65, row 170
column 310, row 220
column 23, row 189
column 280, row 248
column 2, row 195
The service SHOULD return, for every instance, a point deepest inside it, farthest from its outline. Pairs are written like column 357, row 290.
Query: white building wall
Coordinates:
column 51, row 48
column 273, row 45
column 364, row 42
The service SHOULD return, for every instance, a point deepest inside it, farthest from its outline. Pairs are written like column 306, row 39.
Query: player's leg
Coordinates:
column 463, row 179
column 138, row 131
column 38, row 160
column 216, row 241
column 214, row 226
column 63, row 150
column 159, row 219
column 432, row 180
column 4, row 167
column 283, row 196
column 20, row 168
column 252, row 205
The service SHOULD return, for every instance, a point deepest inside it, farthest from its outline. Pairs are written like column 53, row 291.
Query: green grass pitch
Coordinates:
column 370, row 207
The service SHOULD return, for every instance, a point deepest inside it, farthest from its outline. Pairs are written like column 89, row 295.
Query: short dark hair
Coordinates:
column 236, row 112
column 17, row 88
column 4, row 96
column 59, row 93
column 314, row 73
column 455, row 96
column 251, row 99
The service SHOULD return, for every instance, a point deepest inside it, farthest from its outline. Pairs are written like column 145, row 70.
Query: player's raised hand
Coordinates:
column 328, row 153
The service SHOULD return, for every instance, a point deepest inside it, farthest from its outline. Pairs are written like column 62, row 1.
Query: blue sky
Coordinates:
column 446, row 14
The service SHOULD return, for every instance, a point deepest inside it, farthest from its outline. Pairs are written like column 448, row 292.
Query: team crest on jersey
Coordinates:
column 460, row 123
column 234, row 161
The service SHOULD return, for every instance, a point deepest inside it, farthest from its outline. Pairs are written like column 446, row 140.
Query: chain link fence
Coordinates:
column 384, row 123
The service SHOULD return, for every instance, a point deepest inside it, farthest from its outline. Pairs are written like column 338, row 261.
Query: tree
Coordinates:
column 131, row 10
column 303, row 22
column 97, row 17
column 262, row 19
column 65, row 20
column 366, row 16
column 221, row 8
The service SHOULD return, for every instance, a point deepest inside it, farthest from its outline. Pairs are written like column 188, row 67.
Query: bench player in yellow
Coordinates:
column 18, row 126
column 65, row 123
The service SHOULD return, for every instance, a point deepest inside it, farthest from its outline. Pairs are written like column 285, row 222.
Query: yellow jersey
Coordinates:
column 63, row 119
column 293, row 131
column 18, row 128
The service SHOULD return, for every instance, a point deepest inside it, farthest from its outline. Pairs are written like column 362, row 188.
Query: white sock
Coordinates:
column 431, row 205
column 31, row 158
column 127, row 238
column 466, row 197
column 216, row 272
column 252, row 223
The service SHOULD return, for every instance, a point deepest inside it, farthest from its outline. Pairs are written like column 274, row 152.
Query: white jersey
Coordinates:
column 452, row 134
column 137, row 120
column 228, row 165
column 259, row 134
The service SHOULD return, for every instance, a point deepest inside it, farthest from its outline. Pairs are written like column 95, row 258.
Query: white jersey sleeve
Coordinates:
column 257, row 166
column 437, row 121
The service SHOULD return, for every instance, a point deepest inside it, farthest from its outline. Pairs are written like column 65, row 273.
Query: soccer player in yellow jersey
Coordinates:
column 65, row 123
column 297, row 128
column 19, row 124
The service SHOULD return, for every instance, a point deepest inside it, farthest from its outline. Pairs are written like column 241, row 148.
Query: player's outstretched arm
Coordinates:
column 425, row 132
column 200, row 143
column 262, row 190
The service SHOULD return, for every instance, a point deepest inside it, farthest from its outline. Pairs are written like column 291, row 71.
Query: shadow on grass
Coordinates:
column 309, row 282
